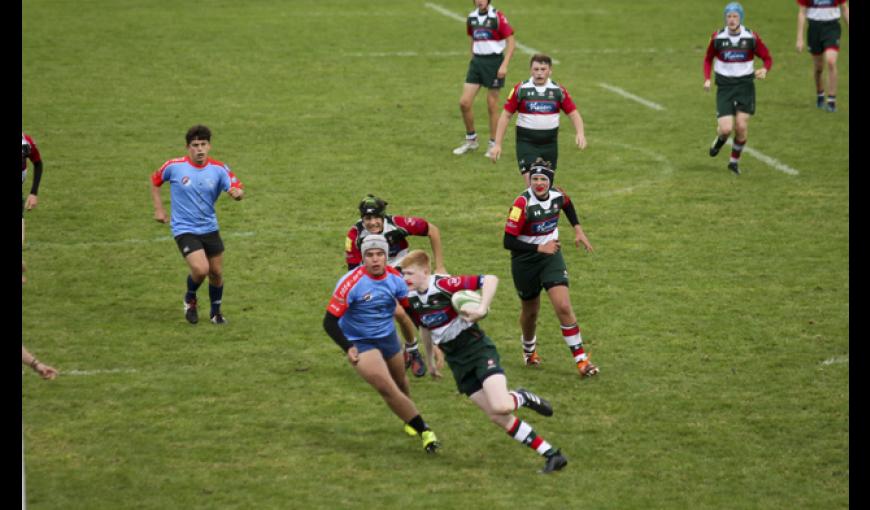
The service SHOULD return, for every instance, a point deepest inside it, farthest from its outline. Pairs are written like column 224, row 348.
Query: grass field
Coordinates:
column 716, row 306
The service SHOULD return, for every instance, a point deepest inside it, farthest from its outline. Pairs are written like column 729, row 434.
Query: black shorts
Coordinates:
column 211, row 243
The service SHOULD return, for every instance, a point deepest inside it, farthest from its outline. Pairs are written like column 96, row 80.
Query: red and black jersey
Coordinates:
column 396, row 229
column 432, row 309
column 30, row 151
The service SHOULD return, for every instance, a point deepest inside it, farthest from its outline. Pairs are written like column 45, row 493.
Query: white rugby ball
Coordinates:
column 467, row 300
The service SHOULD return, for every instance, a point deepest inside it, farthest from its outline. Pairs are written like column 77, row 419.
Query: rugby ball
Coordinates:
column 467, row 300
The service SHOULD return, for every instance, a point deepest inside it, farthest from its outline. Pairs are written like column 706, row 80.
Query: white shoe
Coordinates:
column 469, row 145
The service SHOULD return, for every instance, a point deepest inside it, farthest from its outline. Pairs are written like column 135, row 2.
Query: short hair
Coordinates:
column 541, row 59
column 416, row 258
column 198, row 132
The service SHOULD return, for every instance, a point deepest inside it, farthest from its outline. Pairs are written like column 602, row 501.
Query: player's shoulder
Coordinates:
column 350, row 279
column 174, row 161
column 221, row 164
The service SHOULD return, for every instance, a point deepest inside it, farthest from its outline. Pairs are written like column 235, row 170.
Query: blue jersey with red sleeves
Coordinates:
column 365, row 304
column 194, row 190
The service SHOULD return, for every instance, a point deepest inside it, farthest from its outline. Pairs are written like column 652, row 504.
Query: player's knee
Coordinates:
column 465, row 104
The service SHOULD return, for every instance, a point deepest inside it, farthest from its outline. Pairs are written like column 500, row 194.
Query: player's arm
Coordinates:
column 577, row 120
column 236, row 188
column 32, row 200
column 801, row 21
column 330, row 324
column 762, row 52
column 579, row 235
column 156, row 182
column 487, row 293
column 708, row 62
column 846, row 13
column 437, row 251
column 510, row 107
column 508, row 53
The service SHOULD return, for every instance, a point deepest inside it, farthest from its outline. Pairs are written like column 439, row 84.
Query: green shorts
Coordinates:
column 735, row 97
column 483, row 70
column 472, row 357
column 823, row 35
column 535, row 271
column 531, row 145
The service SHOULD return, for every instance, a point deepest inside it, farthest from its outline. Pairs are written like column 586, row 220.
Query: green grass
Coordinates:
column 713, row 304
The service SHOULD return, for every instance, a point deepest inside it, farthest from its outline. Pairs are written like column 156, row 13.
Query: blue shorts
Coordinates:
column 388, row 345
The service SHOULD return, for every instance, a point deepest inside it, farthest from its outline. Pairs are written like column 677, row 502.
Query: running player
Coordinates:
column 538, row 101
column 470, row 354
column 196, row 182
column 375, row 220
column 30, row 151
column 359, row 319
column 532, row 235
column 823, row 40
column 734, row 48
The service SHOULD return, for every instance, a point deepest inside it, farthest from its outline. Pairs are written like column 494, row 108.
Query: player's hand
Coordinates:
column 579, row 239
column 441, row 270
column 550, row 247
column 495, row 153
column 761, row 73
column 473, row 315
column 799, row 46
column 31, row 201
column 236, row 193
column 45, row 371
column 160, row 217
column 707, row 85
column 353, row 356
column 434, row 372
column 502, row 72
column 439, row 357
column 580, row 140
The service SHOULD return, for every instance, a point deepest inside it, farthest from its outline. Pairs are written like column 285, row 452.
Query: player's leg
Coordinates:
column 724, row 127
column 194, row 256
column 741, row 132
column 494, row 110
column 216, row 287
column 830, row 57
column 466, row 106
column 529, row 309
column 214, row 249
column 499, row 404
column 818, row 70
column 561, row 301
column 412, row 357
column 382, row 375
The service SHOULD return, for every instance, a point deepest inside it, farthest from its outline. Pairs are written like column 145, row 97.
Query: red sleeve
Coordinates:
column 567, row 105
column 467, row 27
column 807, row 3
column 512, row 103
column 158, row 177
column 708, row 58
column 414, row 226
column 516, row 217
column 338, row 303
column 504, row 28
column 234, row 181
column 762, row 52
column 34, row 150
column 453, row 284
column 351, row 250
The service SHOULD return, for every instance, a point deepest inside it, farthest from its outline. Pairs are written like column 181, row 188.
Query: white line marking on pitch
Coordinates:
column 450, row 14
column 629, row 95
column 836, row 359
column 775, row 163
column 40, row 244
column 95, row 372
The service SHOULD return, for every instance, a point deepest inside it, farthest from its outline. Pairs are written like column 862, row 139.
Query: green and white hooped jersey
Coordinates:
column 536, row 221
column 539, row 107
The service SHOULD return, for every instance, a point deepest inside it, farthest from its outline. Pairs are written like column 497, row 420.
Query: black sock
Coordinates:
column 192, row 287
column 418, row 424
column 720, row 141
column 215, row 294
column 832, row 99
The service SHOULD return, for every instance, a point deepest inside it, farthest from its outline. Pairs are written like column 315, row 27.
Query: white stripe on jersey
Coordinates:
column 823, row 13
column 448, row 331
column 554, row 235
column 539, row 121
column 733, row 69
